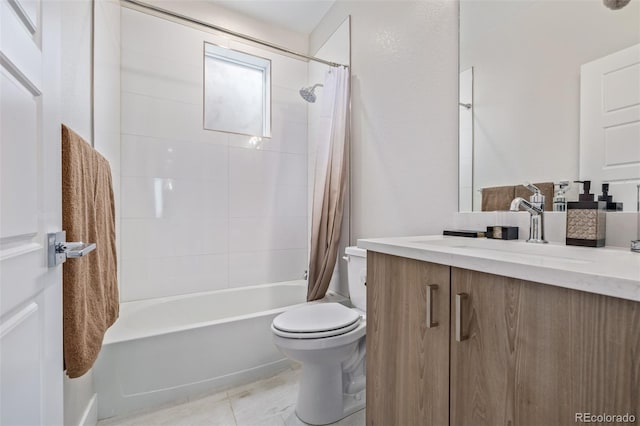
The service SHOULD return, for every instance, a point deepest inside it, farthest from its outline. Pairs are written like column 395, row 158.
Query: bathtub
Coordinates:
column 170, row 349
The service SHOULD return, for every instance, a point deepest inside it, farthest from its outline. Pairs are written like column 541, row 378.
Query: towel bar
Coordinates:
column 61, row 250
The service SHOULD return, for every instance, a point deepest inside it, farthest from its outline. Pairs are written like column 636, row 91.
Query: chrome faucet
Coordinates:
column 536, row 212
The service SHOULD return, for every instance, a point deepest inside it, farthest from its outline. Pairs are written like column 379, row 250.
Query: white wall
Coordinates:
column 79, row 400
column 465, row 141
column 205, row 210
column 404, row 107
column 335, row 49
column 526, row 57
column 210, row 12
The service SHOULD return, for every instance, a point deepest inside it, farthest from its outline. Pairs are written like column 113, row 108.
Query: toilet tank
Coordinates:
column 357, row 276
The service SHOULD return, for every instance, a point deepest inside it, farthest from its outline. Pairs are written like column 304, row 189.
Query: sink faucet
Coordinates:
column 536, row 212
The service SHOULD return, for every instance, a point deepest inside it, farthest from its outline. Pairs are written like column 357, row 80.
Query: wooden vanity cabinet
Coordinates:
column 407, row 362
column 538, row 354
column 529, row 353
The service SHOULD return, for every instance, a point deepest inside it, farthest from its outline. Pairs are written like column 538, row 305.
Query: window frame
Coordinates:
column 233, row 58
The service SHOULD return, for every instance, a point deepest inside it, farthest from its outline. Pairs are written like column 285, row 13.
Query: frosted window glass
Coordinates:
column 236, row 92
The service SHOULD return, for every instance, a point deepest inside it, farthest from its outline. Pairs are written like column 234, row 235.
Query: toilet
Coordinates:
column 328, row 339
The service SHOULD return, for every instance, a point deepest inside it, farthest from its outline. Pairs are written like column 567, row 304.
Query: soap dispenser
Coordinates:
column 560, row 199
column 586, row 219
column 612, row 206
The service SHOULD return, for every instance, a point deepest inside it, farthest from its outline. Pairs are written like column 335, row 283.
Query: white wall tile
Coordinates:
column 292, row 137
column 258, row 267
column 154, row 157
column 150, row 74
column 286, row 136
column 261, row 200
column 271, row 168
column 164, row 118
column 267, row 233
column 291, row 95
column 168, row 276
column 181, row 183
column 168, row 198
column 155, row 238
column 292, row 110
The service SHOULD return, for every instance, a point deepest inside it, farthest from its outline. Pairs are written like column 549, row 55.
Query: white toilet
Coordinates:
column 329, row 340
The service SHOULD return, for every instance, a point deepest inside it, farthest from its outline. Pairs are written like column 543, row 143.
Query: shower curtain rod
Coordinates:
column 232, row 33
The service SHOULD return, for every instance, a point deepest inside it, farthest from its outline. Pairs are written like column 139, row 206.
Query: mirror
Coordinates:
column 520, row 94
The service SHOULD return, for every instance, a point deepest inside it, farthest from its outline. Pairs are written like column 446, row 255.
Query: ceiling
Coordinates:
column 301, row 16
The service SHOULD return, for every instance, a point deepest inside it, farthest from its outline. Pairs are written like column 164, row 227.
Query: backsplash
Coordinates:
column 621, row 226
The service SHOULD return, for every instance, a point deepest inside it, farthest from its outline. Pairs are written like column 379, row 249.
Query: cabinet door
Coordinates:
column 540, row 355
column 407, row 361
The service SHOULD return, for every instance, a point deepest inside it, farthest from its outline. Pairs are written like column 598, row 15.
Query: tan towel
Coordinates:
column 497, row 198
column 545, row 187
column 90, row 288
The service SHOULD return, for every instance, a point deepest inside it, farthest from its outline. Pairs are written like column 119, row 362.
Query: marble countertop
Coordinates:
column 608, row 271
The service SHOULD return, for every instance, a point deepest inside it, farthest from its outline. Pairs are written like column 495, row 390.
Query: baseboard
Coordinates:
column 90, row 415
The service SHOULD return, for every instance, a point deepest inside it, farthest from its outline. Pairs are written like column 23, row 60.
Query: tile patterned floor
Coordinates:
column 267, row 402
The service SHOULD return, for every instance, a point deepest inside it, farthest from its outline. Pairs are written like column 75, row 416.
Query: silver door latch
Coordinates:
column 59, row 250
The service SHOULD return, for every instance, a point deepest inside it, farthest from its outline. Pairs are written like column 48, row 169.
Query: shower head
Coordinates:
column 615, row 4
column 308, row 93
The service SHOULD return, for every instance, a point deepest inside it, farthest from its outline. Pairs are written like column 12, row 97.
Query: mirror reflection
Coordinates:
column 522, row 104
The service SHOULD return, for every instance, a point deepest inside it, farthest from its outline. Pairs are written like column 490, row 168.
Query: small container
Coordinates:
column 586, row 220
column 502, row 232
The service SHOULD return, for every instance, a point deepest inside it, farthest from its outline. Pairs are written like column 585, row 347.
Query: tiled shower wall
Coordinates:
column 205, row 210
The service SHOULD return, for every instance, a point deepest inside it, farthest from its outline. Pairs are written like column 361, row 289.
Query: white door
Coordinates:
column 610, row 123
column 30, row 293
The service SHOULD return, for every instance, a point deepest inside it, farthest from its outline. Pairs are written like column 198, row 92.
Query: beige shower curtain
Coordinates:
column 330, row 181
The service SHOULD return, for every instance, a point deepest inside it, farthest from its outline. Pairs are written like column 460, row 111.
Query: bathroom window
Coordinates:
column 237, row 92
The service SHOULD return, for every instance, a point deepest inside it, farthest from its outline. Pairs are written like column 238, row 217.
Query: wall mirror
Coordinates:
column 520, row 94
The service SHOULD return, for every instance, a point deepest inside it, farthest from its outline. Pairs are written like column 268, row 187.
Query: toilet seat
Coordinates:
column 316, row 321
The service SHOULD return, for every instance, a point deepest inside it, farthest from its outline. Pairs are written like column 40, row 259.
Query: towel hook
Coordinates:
column 59, row 250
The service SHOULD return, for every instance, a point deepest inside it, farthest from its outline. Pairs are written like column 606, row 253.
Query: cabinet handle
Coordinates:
column 430, row 289
column 460, row 299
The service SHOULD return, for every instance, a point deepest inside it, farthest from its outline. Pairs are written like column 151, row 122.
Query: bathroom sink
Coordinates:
column 514, row 250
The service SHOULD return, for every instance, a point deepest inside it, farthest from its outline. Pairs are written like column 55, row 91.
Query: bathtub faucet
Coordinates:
column 536, row 219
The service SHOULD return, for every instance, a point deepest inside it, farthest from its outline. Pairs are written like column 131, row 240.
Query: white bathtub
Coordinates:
column 172, row 348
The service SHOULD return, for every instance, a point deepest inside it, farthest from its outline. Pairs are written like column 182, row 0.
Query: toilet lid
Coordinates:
column 315, row 334
column 318, row 318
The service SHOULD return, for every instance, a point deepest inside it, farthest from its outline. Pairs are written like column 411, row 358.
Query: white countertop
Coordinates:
column 608, row 271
